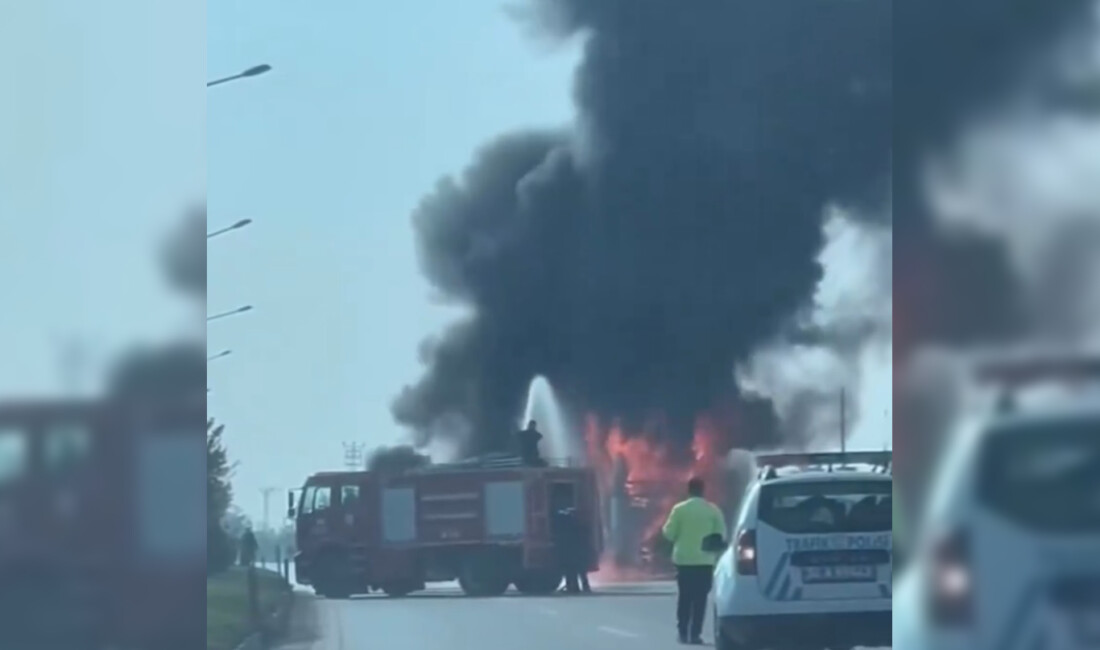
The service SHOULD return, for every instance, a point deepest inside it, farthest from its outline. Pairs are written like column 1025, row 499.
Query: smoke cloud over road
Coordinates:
column 635, row 258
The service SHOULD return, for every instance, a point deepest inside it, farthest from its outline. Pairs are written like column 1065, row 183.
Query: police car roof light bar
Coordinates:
column 880, row 461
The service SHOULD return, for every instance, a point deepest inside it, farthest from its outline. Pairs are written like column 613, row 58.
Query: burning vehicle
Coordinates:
column 641, row 478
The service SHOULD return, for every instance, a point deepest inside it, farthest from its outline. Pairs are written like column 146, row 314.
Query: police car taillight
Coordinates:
column 950, row 582
column 745, row 553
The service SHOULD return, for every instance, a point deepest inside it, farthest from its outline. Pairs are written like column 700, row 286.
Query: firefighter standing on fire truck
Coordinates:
column 528, row 442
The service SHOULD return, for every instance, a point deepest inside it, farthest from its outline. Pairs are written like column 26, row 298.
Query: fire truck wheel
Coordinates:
column 481, row 576
column 331, row 578
column 538, row 583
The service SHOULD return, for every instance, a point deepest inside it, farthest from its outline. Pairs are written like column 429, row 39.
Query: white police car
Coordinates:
column 809, row 565
column 1010, row 556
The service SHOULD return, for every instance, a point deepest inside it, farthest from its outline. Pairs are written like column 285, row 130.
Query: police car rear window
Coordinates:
column 834, row 506
column 1045, row 477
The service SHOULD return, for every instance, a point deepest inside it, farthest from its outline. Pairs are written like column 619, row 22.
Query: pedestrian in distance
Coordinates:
column 690, row 523
column 249, row 547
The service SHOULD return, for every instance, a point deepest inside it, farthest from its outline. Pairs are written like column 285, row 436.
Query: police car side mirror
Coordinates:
column 290, row 513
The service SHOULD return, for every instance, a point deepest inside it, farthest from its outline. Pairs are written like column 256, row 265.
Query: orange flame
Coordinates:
column 653, row 475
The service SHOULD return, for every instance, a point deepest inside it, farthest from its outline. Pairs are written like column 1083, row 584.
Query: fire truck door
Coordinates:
column 346, row 515
column 313, row 519
column 563, row 494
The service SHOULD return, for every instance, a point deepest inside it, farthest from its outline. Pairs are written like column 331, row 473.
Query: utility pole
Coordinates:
column 843, row 422
column 267, row 492
column 353, row 455
column 72, row 363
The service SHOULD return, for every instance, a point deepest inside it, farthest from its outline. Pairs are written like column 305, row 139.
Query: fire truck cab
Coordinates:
column 486, row 523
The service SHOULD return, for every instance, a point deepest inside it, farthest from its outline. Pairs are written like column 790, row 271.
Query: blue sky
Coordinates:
column 368, row 105
column 102, row 146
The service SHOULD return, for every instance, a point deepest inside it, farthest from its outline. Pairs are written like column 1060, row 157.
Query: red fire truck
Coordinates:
column 486, row 523
column 102, row 524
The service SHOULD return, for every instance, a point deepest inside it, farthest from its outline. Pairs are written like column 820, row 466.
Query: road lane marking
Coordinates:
column 617, row 632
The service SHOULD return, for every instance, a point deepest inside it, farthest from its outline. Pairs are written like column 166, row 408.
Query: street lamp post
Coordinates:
column 254, row 71
column 221, row 231
column 226, row 314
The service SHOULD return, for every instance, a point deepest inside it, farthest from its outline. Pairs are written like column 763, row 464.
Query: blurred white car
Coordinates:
column 1010, row 553
column 810, row 565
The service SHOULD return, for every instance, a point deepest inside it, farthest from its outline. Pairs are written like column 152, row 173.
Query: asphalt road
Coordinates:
column 640, row 617
column 629, row 617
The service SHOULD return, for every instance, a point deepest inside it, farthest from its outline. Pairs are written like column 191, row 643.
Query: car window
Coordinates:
column 14, row 453
column 349, row 494
column 307, row 500
column 831, row 506
column 322, row 499
column 1044, row 476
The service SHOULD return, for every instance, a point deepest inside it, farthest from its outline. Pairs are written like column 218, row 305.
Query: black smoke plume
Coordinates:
column 635, row 258
column 184, row 255
column 399, row 458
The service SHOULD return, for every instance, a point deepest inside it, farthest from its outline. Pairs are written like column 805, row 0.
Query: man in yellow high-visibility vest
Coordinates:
column 690, row 522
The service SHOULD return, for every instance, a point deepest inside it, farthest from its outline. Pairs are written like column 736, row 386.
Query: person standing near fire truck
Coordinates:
column 690, row 522
column 571, row 542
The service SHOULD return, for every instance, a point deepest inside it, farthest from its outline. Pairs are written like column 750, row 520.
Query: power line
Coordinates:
column 354, row 453
column 73, row 364
column 267, row 492
column 843, row 420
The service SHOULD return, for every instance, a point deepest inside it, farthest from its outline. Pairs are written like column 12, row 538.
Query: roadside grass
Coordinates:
column 227, row 622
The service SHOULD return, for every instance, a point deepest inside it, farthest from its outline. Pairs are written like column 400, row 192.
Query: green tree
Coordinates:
column 221, row 548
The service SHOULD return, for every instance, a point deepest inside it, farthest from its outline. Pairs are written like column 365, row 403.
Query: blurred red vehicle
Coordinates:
column 102, row 524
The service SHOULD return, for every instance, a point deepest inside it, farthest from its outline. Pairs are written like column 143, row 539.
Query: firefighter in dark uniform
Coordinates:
column 528, row 442
column 572, row 547
column 583, row 546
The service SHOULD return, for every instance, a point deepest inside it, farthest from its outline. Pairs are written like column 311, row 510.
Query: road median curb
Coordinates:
column 274, row 625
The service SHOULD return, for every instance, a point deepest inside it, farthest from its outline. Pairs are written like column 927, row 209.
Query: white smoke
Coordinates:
column 1028, row 174
column 844, row 343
